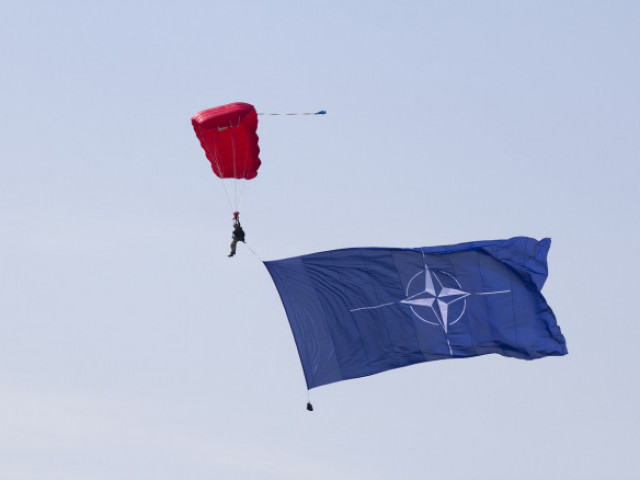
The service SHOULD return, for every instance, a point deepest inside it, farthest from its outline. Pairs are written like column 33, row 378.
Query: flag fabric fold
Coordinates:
column 360, row 311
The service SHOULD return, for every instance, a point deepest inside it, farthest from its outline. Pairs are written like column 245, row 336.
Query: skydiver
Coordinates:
column 237, row 235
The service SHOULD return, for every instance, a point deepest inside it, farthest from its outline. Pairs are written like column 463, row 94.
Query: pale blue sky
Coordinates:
column 132, row 348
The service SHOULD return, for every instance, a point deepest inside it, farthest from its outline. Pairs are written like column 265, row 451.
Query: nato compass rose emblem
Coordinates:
column 436, row 298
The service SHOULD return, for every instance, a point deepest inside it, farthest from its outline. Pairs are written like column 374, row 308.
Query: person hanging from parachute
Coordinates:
column 228, row 136
column 238, row 233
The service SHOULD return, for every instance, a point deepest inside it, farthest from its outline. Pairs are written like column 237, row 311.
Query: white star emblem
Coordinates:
column 436, row 297
column 440, row 300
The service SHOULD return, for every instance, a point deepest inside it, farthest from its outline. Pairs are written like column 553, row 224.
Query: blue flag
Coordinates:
column 360, row 311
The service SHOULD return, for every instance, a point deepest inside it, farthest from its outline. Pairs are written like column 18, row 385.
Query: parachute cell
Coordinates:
column 228, row 136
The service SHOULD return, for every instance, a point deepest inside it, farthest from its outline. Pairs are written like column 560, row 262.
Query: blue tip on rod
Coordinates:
column 319, row 112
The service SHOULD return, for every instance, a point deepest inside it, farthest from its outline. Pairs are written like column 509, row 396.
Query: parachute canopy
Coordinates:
column 228, row 136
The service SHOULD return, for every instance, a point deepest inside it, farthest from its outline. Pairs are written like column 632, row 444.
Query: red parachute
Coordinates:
column 228, row 136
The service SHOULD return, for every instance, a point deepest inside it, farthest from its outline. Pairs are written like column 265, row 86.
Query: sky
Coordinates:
column 131, row 347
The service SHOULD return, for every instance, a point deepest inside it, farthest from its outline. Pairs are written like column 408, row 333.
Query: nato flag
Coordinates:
column 360, row 311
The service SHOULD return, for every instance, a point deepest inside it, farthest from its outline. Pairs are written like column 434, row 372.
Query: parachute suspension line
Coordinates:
column 244, row 187
column 227, row 191
column 235, row 182
column 224, row 185
column 319, row 112
column 239, row 184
